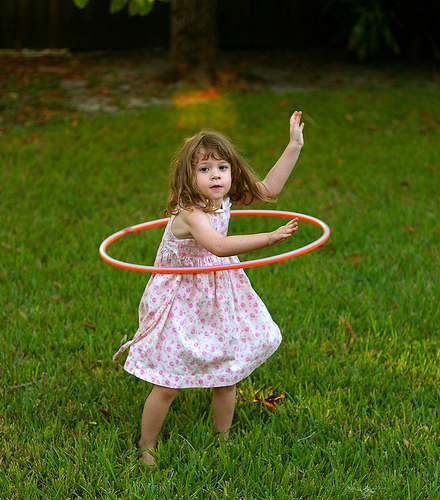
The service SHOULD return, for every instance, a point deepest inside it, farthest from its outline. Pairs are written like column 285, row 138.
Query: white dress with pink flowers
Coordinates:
column 199, row 330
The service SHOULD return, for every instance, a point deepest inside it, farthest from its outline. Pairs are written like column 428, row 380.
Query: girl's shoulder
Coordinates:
column 188, row 219
column 181, row 222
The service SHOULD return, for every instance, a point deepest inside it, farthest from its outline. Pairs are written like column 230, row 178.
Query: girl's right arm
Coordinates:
column 276, row 178
column 195, row 223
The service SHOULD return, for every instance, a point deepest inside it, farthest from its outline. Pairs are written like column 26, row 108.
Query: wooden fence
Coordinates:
column 59, row 24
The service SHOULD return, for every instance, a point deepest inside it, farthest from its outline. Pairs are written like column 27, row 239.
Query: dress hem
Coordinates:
column 197, row 381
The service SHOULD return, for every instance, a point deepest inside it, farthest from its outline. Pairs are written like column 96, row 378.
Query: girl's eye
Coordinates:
column 223, row 167
column 203, row 169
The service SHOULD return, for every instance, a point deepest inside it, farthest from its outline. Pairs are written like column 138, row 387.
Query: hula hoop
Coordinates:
column 225, row 267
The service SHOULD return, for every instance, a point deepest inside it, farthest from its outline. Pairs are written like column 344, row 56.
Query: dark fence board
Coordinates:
column 59, row 24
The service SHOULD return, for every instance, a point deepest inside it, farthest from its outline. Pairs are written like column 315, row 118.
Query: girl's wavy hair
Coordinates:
column 184, row 193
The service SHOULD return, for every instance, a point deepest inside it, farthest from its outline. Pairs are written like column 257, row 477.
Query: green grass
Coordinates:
column 360, row 362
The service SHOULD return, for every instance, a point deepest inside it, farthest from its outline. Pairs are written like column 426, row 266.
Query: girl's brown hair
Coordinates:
column 184, row 193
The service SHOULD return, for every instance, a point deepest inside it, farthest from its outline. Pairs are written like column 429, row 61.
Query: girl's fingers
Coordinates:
column 290, row 227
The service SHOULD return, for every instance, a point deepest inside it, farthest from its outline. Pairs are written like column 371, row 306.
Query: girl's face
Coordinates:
column 213, row 177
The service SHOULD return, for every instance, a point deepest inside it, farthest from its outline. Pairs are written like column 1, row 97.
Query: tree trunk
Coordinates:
column 193, row 37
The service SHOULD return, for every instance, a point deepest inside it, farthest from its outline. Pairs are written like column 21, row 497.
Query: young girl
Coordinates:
column 208, row 329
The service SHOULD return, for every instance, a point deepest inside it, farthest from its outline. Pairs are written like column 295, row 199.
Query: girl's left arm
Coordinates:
column 275, row 180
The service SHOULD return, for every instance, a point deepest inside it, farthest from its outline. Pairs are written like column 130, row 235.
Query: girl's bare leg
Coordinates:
column 155, row 410
column 223, row 405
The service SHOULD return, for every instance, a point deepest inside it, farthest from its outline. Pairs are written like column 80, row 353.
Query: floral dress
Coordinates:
column 199, row 330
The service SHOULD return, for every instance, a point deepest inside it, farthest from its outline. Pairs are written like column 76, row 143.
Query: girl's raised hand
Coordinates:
column 283, row 232
column 296, row 129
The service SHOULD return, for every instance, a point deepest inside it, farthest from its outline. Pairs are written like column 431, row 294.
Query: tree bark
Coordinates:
column 193, row 35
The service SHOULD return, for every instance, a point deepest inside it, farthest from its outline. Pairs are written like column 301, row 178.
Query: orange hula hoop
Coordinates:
column 226, row 267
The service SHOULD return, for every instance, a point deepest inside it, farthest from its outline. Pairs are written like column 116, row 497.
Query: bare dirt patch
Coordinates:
column 38, row 87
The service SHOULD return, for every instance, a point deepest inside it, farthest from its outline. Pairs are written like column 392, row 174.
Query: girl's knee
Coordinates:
column 167, row 393
column 225, row 389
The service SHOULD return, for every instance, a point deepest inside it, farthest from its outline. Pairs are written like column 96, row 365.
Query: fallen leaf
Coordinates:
column 330, row 204
column 88, row 325
column 356, row 258
column 426, row 117
column 349, row 118
column 270, row 401
column 410, row 228
column 348, row 327
column 332, row 182
column 104, row 412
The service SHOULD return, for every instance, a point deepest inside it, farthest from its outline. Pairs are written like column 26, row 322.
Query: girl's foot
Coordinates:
column 146, row 456
column 222, row 437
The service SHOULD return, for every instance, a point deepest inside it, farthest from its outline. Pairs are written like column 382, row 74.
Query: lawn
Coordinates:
column 359, row 366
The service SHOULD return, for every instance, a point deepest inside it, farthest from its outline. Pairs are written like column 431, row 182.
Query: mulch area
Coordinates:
column 39, row 87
